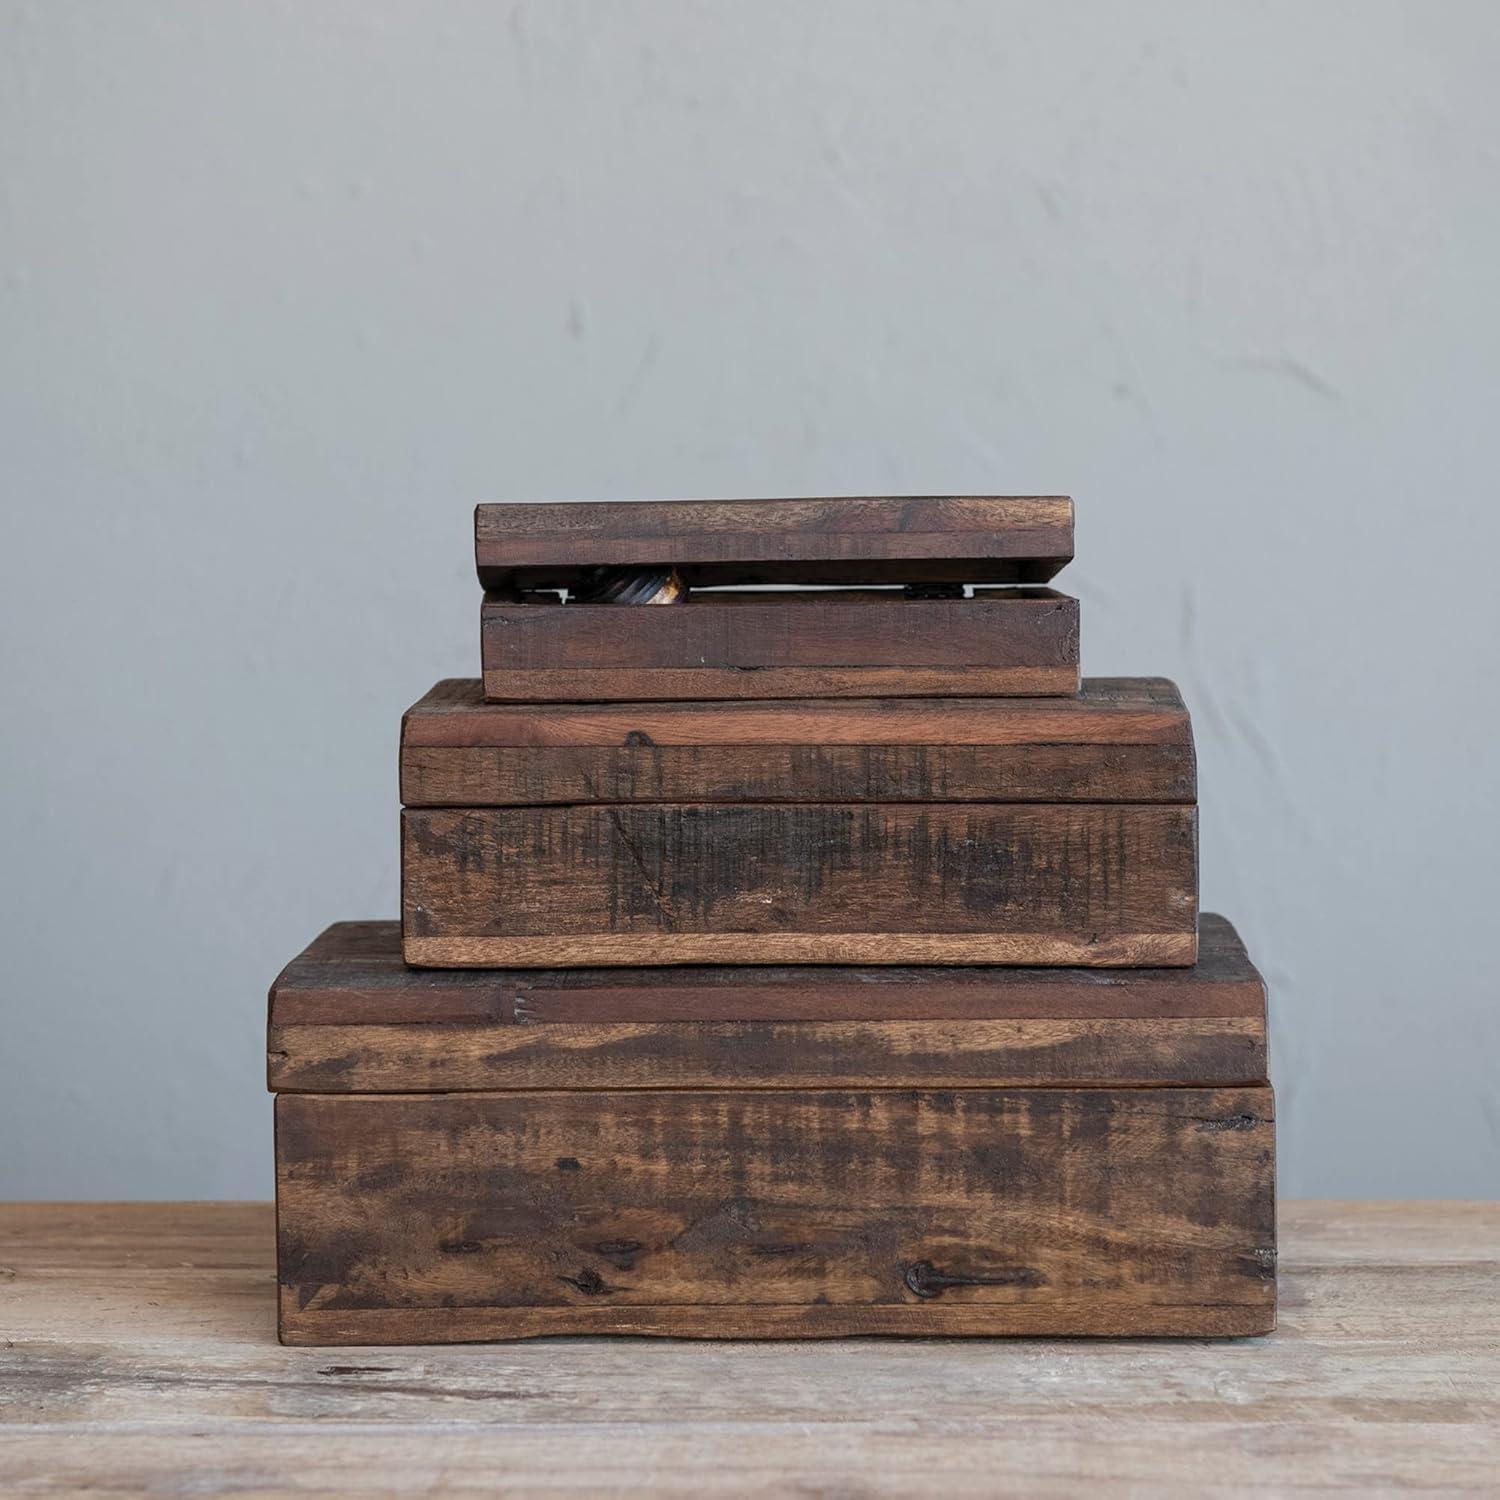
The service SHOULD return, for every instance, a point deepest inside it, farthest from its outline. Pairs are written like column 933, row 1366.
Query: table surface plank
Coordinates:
column 138, row 1355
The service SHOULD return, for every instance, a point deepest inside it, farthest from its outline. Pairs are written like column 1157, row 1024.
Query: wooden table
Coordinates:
column 139, row 1355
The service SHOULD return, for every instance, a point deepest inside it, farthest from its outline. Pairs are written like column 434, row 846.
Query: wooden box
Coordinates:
column 826, row 642
column 743, row 1152
column 963, row 831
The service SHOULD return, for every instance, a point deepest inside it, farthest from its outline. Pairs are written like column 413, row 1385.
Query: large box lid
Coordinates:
column 347, row 1015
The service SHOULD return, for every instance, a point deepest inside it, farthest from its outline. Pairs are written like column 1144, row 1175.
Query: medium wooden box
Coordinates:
column 873, row 831
column 825, row 643
column 742, row 1152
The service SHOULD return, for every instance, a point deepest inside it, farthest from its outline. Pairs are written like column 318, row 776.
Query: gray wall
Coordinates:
column 285, row 288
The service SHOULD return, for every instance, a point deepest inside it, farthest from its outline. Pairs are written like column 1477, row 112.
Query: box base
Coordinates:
column 795, row 1213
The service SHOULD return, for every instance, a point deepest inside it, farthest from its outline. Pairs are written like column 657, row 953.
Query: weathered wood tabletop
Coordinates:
column 139, row 1355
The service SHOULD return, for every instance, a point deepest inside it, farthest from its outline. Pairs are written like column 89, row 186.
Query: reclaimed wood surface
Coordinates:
column 410, row 1218
column 348, row 1016
column 961, row 883
column 828, row 644
column 139, row 1357
column 1118, row 740
column 869, row 539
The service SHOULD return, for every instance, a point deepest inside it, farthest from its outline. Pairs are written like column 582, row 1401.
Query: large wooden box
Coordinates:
column 760, row 1152
column 826, row 642
column 873, row 831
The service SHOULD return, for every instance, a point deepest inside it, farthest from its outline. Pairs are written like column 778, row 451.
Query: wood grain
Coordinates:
column 869, row 539
column 348, row 1016
column 1064, row 1211
column 140, row 1358
column 766, row 1054
column 833, row 643
column 808, row 883
column 1119, row 740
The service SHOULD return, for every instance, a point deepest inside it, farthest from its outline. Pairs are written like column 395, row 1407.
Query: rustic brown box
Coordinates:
column 1021, row 830
column 750, row 1152
column 728, row 643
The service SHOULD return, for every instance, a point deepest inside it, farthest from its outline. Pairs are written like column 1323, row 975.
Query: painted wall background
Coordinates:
column 285, row 288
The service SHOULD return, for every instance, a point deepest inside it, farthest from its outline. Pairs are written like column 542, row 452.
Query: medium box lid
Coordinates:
column 1119, row 740
column 864, row 539
column 347, row 1015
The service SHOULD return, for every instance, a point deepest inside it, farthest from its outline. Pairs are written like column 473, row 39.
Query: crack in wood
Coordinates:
column 925, row 1280
column 651, row 884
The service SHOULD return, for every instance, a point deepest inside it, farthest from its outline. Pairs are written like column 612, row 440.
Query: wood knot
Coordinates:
column 922, row 1279
column 589, row 1282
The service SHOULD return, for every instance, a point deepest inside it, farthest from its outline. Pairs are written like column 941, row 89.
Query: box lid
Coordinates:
column 1119, row 740
column 862, row 539
column 347, row 1015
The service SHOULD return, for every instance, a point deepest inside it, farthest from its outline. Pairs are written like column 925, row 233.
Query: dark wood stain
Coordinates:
column 870, row 869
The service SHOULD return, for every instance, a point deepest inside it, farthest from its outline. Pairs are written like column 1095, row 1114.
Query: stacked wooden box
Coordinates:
column 806, row 961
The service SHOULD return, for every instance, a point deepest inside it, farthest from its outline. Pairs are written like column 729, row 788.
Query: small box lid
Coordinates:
column 864, row 539
column 347, row 1015
column 1120, row 740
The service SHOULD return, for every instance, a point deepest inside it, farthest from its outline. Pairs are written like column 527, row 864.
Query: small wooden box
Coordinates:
column 825, row 643
column 963, row 831
column 769, row 1152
